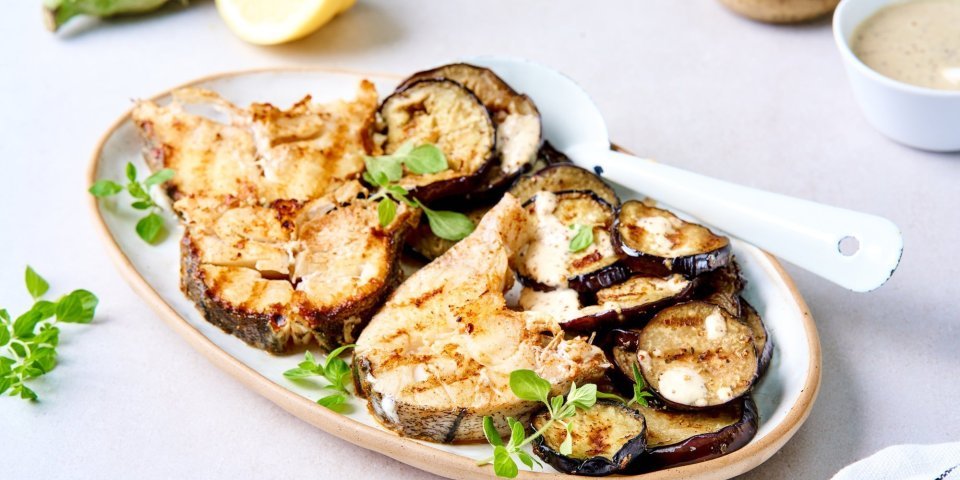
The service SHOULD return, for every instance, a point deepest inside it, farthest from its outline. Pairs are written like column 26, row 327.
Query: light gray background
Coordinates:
column 685, row 82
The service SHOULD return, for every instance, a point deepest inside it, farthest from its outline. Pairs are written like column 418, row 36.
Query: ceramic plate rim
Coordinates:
column 404, row 449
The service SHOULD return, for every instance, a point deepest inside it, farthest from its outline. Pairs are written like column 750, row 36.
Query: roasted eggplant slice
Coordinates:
column 622, row 346
column 606, row 439
column 515, row 116
column 425, row 243
column 722, row 287
column 449, row 116
column 631, row 302
column 547, row 260
column 761, row 338
column 676, row 438
column 547, row 156
column 563, row 177
column 696, row 355
column 656, row 242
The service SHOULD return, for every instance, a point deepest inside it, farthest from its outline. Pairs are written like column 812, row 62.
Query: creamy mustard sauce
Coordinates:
column 916, row 42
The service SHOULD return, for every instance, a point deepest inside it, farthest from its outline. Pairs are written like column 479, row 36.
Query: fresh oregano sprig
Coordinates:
column 640, row 392
column 383, row 171
column 527, row 385
column 150, row 228
column 28, row 344
column 582, row 238
column 334, row 369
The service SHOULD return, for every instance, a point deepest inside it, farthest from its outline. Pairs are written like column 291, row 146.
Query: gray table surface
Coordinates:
column 687, row 83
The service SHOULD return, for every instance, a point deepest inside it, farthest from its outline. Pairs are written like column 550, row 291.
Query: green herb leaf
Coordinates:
column 24, row 324
column 517, row 432
column 44, row 358
column 36, row 285
column 337, row 372
column 384, row 167
column 528, row 460
column 503, row 464
column 298, row 373
column 18, row 349
column 26, row 393
column 150, row 228
column 555, row 404
column 137, row 191
column 405, row 149
column 49, row 335
column 527, row 385
column 141, row 205
column 582, row 239
column 105, row 188
column 566, row 448
column 4, row 315
column 5, row 384
column 5, row 363
column 336, row 352
column 47, row 309
column 448, row 225
column 386, row 211
column 640, row 394
column 4, row 335
column 611, row 397
column 489, row 431
column 397, row 191
column 335, row 402
column 77, row 307
column 131, row 172
column 583, row 397
column 159, row 177
column 426, row 158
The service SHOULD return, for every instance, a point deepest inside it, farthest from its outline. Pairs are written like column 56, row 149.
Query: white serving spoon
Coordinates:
column 805, row 233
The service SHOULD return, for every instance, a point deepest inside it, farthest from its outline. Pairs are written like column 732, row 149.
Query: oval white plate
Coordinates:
column 784, row 396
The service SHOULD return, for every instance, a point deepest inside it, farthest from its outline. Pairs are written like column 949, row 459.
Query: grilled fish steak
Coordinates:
column 264, row 152
column 281, row 244
column 437, row 357
column 290, row 272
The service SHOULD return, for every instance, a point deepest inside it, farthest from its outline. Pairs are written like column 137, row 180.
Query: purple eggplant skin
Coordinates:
column 703, row 447
column 765, row 352
column 605, row 277
column 558, row 177
column 616, row 344
column 635, row 316
column 595, row 466
column 639, row 263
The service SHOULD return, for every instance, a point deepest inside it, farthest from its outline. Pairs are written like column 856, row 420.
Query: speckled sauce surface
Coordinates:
column 688, row 83
column 916, row 42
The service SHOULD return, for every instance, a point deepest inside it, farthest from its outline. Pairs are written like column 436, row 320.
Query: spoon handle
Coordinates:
column 805, row 233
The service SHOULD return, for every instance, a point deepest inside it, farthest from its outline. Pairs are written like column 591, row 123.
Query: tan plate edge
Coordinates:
column 405, row 450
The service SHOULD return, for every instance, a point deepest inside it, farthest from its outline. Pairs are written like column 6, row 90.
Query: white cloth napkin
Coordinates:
column 907, row 462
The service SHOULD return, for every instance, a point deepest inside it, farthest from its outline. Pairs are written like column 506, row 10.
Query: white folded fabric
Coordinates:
column 907, row 462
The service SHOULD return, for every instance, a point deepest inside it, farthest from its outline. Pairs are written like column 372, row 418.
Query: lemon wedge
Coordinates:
column 269, row 22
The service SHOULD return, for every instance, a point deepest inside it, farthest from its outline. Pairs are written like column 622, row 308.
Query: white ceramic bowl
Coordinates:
column 920, row 117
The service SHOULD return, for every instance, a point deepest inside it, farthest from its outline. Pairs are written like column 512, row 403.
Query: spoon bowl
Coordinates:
column 856, row 250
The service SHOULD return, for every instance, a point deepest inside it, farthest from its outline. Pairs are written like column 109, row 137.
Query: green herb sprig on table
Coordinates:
column 527, row 385
column 150, row 228
column 28, row 344
column 334, row 369
column 582, row 238
column 384, row 170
